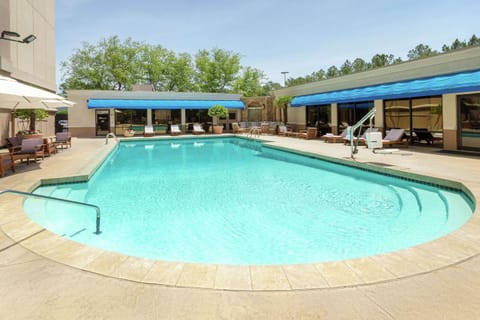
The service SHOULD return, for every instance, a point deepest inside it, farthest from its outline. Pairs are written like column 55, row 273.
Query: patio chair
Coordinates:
column 30, row 148
column 63, row 140
column 423, row 134
column 50, row 147
column 282, row 130
column 13, row 142
column 311, row 133
column 394, row 136
column 148, row 131
column 333, row 138
column 237, row 129
column 175, row 130
column 6, row 162
column 197, row 129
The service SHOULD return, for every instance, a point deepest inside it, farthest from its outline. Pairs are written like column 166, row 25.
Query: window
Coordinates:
column 351, row 113
column 469, row 121
column 319, row 117
column 416, row 114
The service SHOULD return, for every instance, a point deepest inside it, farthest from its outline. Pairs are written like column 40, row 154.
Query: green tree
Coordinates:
column 346, row 68
column 382, row 60
column 30, row 116
column 282, row 103
column 216, row 70
column 359, row 65
column 249, row 83
column 474, row 41
column 109, row 65
column 332, row 72
column 421, row 51
column 167, row 71
column 269, row 86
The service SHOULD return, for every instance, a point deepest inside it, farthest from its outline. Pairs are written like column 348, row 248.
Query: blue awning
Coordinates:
column 162, row 104
column 453, row 83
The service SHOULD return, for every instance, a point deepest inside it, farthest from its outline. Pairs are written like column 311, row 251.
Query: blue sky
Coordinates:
column 300, row 36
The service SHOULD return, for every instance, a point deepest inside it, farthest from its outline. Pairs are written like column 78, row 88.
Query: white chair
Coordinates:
column 149, row 131
column 197, row 129
column 394, row 136
column 175, row 130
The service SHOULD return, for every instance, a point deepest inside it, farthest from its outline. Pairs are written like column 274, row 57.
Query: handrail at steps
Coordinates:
column 27, row 194
column 110, row 134
column 369, row 116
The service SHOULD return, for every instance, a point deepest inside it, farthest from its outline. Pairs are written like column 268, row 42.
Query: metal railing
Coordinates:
column 110, row 134
column 33, row 195
column 354, row 144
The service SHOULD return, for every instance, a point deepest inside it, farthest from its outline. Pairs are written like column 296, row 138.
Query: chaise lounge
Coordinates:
column 394, row 136
column 148, row 131
column 197, row 129
column 175, row 130
column 334, row 138
column 311, row 133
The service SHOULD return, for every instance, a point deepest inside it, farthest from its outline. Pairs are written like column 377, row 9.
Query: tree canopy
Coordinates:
column 112, row 64
column 380, row 60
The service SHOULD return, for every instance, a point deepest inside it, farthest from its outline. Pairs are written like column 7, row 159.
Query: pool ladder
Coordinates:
column 33, row 195
column 110, row 134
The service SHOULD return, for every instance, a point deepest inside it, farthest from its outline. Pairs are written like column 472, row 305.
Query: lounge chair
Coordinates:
column 311, row 133
column 63, row 139
column 148, row 131
column 394, row 136
column 197, row 129
column 30, row 148
column 363, row 137
column 423, row 134
column 237, row 129
column 333, row 138
column 175, row 130
column 6, row 162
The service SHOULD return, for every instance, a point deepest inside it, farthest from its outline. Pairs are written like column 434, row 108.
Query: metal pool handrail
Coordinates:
column 26, row 194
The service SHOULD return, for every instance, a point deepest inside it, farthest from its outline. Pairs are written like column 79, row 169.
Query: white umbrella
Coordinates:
column 49, row 104
column 14, row 93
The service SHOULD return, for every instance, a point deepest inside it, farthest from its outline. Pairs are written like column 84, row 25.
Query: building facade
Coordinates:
column 439, row 94
column 99, row 112
column 31, row 63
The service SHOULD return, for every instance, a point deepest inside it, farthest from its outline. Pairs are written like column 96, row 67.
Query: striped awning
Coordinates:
column 453, row 83
column 162, row 104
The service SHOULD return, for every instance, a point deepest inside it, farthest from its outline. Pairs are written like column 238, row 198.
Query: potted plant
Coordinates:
column 217, row 112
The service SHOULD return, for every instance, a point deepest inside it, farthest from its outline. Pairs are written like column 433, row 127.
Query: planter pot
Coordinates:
column 217, row 129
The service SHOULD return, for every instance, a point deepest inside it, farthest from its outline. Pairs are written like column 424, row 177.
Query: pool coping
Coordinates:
column 454, row 248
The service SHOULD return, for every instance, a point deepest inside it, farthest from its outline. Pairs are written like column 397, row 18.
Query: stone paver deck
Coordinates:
column 46, row 276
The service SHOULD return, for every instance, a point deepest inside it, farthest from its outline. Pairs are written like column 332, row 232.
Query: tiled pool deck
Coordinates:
column 46, row 276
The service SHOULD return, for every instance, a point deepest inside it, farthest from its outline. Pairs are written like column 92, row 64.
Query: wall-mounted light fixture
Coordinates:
column 10, row 35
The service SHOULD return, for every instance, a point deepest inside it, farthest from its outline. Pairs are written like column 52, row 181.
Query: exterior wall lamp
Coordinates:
column 7, row 35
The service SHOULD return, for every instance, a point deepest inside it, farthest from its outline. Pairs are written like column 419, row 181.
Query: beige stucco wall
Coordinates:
column 297, row 116
column 32, row 63
column 81, row 120
column 378, row 104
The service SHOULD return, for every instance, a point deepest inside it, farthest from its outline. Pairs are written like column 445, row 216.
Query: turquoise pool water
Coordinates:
column 232, row 201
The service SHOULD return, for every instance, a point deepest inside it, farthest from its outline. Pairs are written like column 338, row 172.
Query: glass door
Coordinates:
column 102, row 122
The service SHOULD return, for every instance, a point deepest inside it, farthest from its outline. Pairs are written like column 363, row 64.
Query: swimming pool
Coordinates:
column 232, row 201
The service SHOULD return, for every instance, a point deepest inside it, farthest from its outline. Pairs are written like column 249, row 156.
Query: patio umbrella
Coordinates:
column 14, row 93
